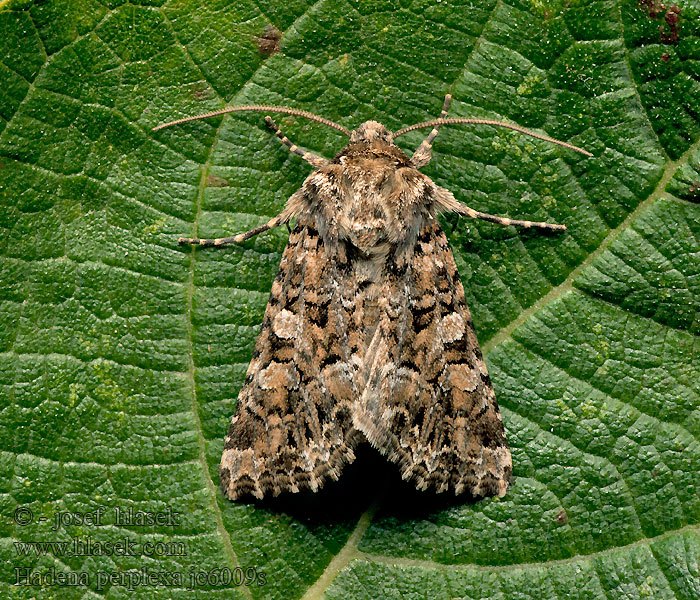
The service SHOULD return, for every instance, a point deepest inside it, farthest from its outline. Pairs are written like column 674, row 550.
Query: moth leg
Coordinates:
column 294, row 207
column 446, row 202
column 313, row 159
column 422, row 155
column 475, row 214
column 235, row 239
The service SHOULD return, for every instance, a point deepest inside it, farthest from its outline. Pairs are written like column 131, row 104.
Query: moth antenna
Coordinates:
column 261, row 108
column 456, row 121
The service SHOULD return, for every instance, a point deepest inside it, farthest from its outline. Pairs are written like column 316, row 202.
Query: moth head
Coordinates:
column 371, row 131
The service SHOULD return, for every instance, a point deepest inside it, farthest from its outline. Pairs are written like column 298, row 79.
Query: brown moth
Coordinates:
column 367, row 336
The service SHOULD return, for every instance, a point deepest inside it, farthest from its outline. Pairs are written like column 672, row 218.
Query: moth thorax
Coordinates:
column 371, row 131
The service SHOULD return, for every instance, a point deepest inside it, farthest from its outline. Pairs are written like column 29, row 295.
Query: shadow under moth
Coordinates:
column 367, row 335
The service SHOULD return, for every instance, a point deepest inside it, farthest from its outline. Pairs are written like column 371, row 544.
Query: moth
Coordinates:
column 367, row 336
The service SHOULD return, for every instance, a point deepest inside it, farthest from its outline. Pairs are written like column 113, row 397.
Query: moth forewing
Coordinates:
column 367, row 336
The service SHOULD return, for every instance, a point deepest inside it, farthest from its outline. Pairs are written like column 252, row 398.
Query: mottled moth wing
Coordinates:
column 428, row 403
column 293, row 424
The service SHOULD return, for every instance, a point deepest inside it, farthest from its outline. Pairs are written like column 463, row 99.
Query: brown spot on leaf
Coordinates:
column 214, row 181
column 654, row 9
column 200, row 92
column 268, row 42
column 694, row 189
column 671, row 18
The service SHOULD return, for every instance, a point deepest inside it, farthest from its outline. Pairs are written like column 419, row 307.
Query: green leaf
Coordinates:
column 121, row 353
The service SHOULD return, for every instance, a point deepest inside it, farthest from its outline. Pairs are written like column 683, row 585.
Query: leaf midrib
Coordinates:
column 350, row 551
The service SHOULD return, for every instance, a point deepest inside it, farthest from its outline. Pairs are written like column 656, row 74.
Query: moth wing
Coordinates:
column 428, row 403
column 292, row 428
